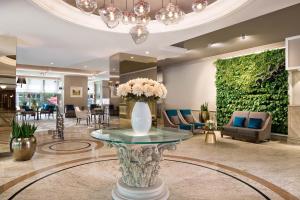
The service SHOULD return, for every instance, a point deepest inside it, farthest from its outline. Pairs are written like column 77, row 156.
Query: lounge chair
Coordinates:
column 47, row 110
column 172, row 120
column 70, row 111
column 82, row 114
column 187, row 117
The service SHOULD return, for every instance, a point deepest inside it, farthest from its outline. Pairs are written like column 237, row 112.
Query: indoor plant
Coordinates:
column 23, row 142
column 204, row 114
column 141, row 90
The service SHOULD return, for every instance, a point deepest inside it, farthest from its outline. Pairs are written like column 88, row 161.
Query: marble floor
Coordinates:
column 83, row 168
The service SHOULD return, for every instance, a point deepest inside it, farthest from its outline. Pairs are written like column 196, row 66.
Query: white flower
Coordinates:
column 148, row 90
column 142, row 86
column 123, row 90
column 138, row 90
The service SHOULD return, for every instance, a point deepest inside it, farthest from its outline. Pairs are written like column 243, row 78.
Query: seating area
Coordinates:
column 253, row 126
column 149, row 100
column 182, row 119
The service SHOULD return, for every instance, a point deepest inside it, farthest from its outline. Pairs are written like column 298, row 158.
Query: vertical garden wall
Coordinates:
column 257, row 82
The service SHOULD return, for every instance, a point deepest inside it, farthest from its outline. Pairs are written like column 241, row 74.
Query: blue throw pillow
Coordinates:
column 255, row 123
column 239, row 121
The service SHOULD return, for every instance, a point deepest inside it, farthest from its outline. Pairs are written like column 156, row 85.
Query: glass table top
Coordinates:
column 155, row 136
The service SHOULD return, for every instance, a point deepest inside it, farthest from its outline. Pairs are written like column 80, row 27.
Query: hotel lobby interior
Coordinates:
column 149, row 99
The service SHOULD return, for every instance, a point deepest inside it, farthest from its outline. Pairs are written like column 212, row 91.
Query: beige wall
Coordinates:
column 77, row 81
column 190, row 84
column 295, row 88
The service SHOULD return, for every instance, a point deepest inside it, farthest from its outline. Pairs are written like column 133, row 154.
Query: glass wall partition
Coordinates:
column 37, row 92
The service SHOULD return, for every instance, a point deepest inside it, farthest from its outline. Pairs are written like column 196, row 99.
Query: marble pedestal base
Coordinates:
column 159, row 191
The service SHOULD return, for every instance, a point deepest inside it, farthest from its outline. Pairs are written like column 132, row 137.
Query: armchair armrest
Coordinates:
column 167, row 122
column 265, row 131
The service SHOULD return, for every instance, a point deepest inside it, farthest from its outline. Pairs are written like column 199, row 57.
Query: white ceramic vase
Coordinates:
column 141, row 118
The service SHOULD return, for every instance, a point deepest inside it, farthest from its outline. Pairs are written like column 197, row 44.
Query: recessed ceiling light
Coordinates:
column 147, row 52
column 52, row 63
column 85, row 66
column 244, row 36
column 214, row 45
column 131, row 57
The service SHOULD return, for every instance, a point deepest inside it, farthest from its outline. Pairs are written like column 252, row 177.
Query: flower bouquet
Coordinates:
column 141, row 90
column 210, row 124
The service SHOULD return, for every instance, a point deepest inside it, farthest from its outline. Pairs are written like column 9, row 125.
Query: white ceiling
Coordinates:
column 45, row 37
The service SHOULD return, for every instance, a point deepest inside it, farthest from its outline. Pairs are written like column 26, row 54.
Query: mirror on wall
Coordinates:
column 7, row 80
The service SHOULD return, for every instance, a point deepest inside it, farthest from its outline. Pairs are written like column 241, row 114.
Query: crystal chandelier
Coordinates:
column 141, row 8
column 139, row 16
column 88, row 6
column 199, row 5
column 171, row 14
column 144, row 20
column 132, row 15
column 139, row 33
column 111, row 15
column 126, row 16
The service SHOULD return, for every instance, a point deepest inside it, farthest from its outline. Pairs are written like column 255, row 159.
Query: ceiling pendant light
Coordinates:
column 132, row 15
column 172, row 14
column 161, row 14
column 199, row 5
column 143, row 20
column 141, row 8
column 126, row 16
column 111, row 15
column 88, row 6
column 139, row 33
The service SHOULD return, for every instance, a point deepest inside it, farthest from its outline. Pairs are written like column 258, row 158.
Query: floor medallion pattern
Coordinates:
column 94, row 178
column 69, row 146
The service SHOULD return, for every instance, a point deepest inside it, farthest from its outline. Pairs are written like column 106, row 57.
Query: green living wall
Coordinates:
column 257, row 82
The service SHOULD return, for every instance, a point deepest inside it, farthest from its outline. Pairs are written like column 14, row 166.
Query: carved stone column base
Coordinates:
column 159, row 191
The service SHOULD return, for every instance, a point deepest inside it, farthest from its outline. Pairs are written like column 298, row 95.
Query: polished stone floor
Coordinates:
column 82, row 168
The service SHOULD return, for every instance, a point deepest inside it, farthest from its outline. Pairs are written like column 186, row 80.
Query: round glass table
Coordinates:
column 139, row 158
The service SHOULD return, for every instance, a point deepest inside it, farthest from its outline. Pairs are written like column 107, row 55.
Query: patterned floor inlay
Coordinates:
column 64, row 146
column 94, row 179
column 69, row 146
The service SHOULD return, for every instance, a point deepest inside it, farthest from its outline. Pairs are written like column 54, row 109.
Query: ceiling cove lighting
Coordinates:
column 139, row 16
column 215, row 45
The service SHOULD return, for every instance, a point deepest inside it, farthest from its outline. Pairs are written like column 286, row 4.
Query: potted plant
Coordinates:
column 142, row 91
column 23, row 142
column 204, row 114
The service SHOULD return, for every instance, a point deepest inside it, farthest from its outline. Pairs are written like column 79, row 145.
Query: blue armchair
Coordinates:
column 172, row 120
column 187, row 117
column 47, row 110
